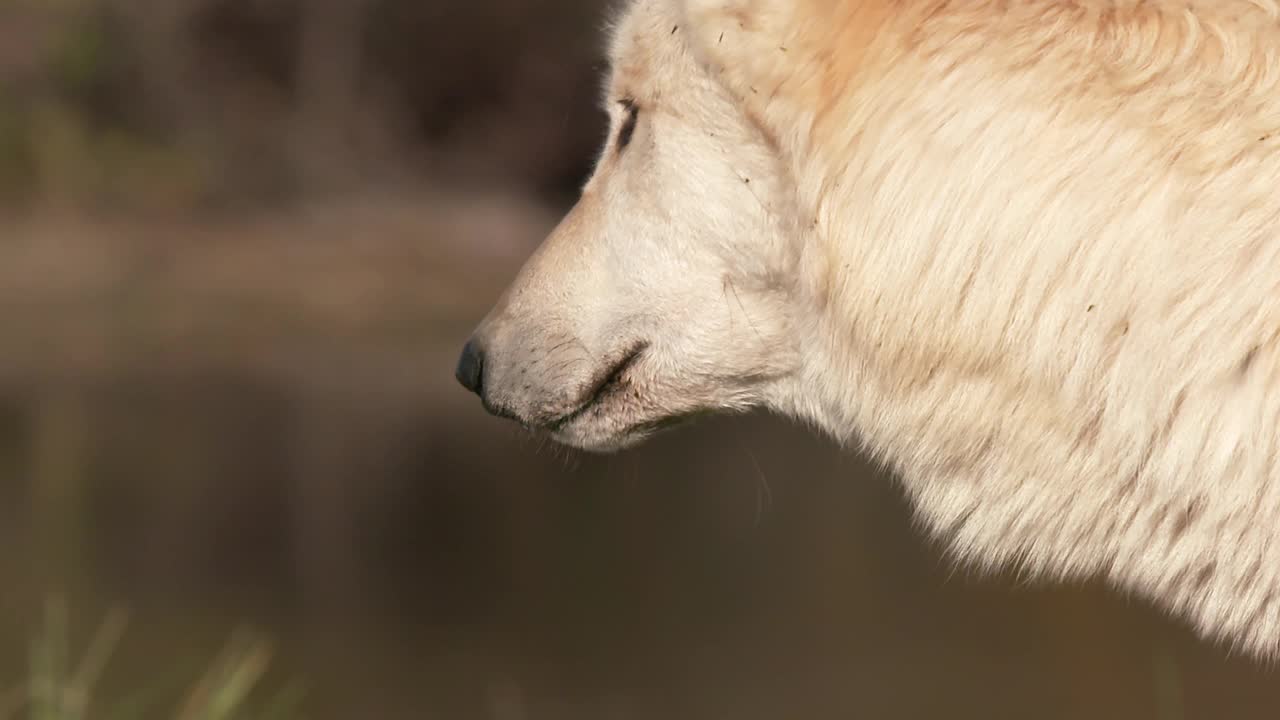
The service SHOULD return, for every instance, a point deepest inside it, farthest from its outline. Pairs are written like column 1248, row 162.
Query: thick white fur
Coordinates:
column 1027, row 254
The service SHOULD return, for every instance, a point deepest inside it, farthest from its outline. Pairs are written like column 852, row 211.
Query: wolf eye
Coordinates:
column 628, row 123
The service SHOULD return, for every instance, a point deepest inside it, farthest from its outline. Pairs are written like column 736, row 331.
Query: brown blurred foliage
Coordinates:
column 206, row 104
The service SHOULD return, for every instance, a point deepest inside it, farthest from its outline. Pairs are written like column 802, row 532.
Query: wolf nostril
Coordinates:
column 470, row 370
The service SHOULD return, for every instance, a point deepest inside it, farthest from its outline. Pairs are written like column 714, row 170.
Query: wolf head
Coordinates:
column 665, row 291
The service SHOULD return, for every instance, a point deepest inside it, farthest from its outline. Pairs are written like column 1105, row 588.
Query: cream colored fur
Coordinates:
column 1026, row 254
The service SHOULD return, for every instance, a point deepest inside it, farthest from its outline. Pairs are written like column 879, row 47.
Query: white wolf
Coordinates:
column 1026, row 254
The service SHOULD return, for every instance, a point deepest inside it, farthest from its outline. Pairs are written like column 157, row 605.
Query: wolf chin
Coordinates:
column 1025, row 254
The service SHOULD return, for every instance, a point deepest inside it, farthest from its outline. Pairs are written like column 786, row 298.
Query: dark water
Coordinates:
column 412, row 558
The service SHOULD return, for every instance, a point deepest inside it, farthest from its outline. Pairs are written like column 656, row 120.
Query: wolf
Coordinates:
column 1025, row 255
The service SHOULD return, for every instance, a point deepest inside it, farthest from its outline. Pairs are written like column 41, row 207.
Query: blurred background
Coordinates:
column 241, row 243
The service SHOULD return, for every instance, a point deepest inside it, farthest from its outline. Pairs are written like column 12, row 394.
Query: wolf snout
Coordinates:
column 542, row 383
column 470, row 370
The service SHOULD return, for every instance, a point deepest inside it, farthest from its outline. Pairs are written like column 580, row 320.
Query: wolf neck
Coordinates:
column 1003, row 480
column 992, row 310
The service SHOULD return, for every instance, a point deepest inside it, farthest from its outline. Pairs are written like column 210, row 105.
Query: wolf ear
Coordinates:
column 788, row 62
column 742, row 42
column 772, row 56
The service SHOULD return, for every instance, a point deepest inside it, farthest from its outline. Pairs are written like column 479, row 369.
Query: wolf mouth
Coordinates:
column 610, row 379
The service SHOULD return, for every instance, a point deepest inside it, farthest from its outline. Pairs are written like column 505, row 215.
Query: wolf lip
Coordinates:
column 609, row 379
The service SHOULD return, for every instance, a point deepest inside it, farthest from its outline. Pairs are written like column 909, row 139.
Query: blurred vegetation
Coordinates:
column 64, row 136
column 63, row 687
column 175, row 105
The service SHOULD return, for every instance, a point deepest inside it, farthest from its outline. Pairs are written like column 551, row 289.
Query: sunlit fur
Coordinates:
column 1026, row 254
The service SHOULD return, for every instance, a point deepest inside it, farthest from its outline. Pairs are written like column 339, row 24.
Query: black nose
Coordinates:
column 470, row 370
